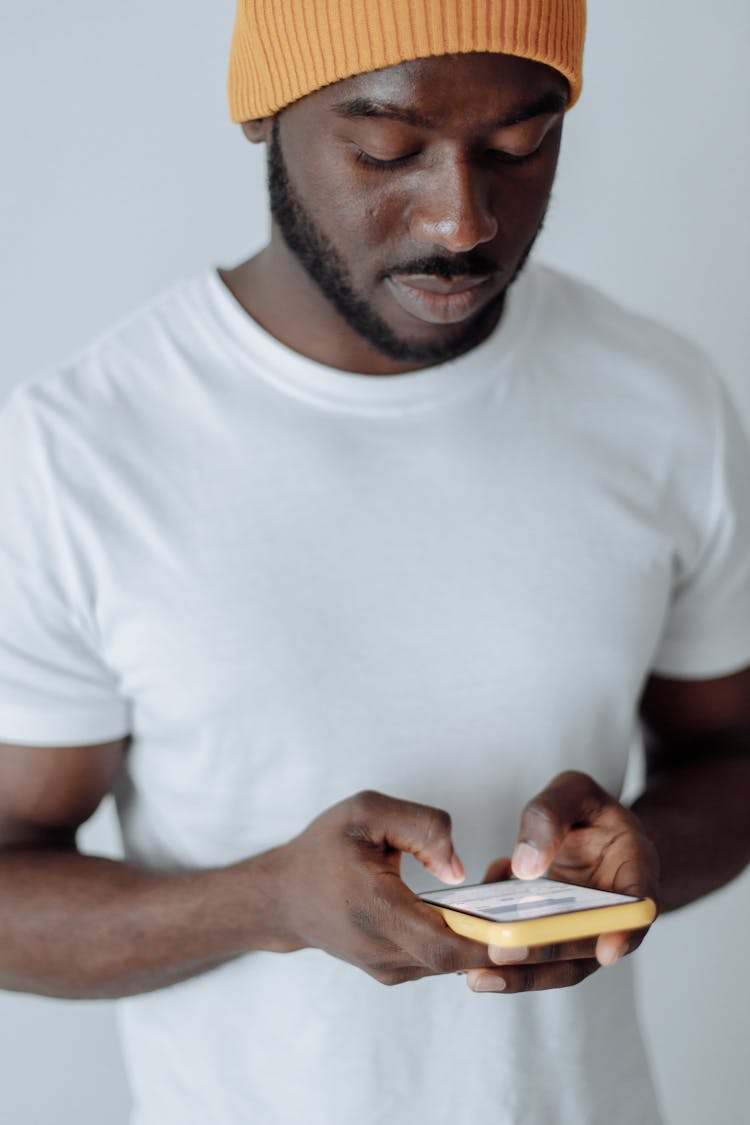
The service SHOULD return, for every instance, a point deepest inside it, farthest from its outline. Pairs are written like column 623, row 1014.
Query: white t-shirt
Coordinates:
column 290, row 583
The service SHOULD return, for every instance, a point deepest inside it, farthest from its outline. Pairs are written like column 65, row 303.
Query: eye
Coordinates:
column 380, row 165
column 497, row 156
column 502, row 157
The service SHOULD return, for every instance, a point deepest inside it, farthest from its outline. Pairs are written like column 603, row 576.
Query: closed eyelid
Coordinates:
column 368, row 160
column 526, row 135
column 514, row 143
column 516, row 151
column 537, row 127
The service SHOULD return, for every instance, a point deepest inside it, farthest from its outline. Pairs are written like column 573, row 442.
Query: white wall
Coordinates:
column 121, row 173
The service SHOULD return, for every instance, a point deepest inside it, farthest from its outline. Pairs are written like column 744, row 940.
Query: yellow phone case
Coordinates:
column 553, row 928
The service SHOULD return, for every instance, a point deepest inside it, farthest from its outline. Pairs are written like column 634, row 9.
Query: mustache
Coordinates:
column 459, row 265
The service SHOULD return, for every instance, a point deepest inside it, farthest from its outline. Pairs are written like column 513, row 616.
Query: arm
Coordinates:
column 695, row 803
column 686, row 835
column 83, row 927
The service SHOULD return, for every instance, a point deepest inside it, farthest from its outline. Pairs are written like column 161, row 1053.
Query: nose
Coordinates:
column 451, row 207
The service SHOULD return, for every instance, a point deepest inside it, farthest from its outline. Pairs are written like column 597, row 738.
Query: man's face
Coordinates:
column 413, row 195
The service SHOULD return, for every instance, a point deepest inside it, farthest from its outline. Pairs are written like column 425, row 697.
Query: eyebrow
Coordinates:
column 551, row 103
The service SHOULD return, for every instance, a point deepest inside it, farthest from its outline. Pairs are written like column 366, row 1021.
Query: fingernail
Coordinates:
column 458, row 868
column 487, row 983
column 503, row 956
column 610, row 955
column 527, row 863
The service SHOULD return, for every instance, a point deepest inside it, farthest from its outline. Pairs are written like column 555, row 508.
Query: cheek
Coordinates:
column 367, row 227
column 352, row 212
column 520, row 204
column 522, row 196
column 372, row 203
column 383, row 221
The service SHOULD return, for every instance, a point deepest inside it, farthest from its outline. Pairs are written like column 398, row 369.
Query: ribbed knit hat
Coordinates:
column 284, row 49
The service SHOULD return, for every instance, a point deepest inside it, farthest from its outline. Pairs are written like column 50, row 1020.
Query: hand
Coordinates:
column 342, row 890
column 575, row 832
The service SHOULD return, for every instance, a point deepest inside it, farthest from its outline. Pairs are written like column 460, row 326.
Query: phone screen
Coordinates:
column 517, row 900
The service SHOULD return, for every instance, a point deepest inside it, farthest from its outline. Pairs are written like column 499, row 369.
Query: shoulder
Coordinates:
column 115, row 407
column 599, row 321
column 620, row 357
column 131, row 364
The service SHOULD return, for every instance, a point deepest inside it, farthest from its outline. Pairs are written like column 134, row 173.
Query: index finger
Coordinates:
column 418, row 929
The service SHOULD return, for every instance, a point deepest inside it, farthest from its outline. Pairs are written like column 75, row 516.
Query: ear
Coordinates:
column 258, row 131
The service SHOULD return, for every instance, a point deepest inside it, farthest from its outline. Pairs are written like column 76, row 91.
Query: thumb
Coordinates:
column 420, row 830
column 570, row 798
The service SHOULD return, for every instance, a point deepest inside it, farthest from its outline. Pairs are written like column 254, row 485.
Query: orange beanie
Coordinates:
column 284, row 49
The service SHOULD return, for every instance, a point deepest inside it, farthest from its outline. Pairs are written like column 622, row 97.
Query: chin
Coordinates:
column 436, row 344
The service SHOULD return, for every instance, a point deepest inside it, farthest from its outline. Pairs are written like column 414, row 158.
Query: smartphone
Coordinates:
column 524, row 912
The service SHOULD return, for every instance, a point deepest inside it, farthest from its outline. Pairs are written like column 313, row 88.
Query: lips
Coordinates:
column 439, row 301
column 429, row 284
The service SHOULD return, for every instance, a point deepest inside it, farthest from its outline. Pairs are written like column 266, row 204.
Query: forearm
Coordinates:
column 697, row 817
column 82, row 927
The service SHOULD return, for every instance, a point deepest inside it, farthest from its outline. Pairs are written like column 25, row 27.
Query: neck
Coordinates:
column 274, row 289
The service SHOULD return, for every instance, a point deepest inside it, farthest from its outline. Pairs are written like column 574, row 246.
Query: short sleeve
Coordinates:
column 55, row 689
column 707, row 633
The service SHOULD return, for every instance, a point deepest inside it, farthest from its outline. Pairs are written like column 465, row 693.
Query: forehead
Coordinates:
column 451, row 89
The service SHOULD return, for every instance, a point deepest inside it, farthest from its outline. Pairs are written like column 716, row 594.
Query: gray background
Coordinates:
column 121, row 173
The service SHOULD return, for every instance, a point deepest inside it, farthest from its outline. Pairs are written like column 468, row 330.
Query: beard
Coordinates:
column 327, row 269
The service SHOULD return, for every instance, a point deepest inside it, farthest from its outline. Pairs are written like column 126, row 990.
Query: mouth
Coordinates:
column 438, row 301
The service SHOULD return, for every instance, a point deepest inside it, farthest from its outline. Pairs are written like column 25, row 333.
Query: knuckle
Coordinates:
column 362, row 812
column 441, row 958
column 438, row 825
column 390, row 977
column 526, row 979
column 575, row 777
column 588, row 792
column 540, row 809
column 382, row 976
column 362, row 804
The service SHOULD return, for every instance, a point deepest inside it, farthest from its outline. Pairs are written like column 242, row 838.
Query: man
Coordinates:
column 381, row 511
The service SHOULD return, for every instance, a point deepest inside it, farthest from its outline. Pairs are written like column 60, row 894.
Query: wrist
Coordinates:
column 258, row 897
